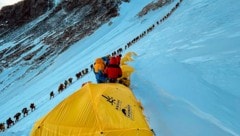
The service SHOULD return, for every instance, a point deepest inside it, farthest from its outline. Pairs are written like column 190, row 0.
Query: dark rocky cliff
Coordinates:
column 14, row 16
column 34, row 32
column 59, row 27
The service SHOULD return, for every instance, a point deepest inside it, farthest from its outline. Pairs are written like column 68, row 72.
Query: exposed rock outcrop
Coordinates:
column 153, row 6
column 34, row 32
column 65, row 24
column 23, row 12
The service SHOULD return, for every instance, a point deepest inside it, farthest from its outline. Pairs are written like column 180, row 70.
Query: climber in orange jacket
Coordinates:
column 98, row 70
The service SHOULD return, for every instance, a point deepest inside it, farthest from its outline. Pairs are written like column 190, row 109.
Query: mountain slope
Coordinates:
column 42, row 40
column 187, row 69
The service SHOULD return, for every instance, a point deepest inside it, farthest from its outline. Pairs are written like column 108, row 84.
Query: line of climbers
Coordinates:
column 62, row 86
column 106, row 69
column 134, row 40
column 78, row 75
column 10, row 122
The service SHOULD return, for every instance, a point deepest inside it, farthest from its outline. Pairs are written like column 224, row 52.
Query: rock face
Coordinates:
column 82, row 19
column 65, row 23
column 34, row 32
column 23, row 12
column 152, row 6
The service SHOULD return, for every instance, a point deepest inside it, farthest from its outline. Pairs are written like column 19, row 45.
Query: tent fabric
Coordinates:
column 108, row 109
column 127, row 57
column 126, row 71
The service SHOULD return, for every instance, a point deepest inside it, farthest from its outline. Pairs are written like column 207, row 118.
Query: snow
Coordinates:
column 8, row 2
column 57, row 1
column 187, row 69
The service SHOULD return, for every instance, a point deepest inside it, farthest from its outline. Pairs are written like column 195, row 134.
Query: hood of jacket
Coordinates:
column 113, row 61
column 99, row 61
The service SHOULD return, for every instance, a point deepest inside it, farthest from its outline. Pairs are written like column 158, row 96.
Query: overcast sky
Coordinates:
column 7, row 2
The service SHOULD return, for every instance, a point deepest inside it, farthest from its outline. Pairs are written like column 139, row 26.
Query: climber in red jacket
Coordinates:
column 113, row 71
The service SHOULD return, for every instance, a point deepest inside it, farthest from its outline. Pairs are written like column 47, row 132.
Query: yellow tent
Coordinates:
column 127, row 57
column 126, row 71
column 95, row 110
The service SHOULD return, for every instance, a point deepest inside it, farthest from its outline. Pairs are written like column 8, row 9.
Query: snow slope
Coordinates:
column 187, row 69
